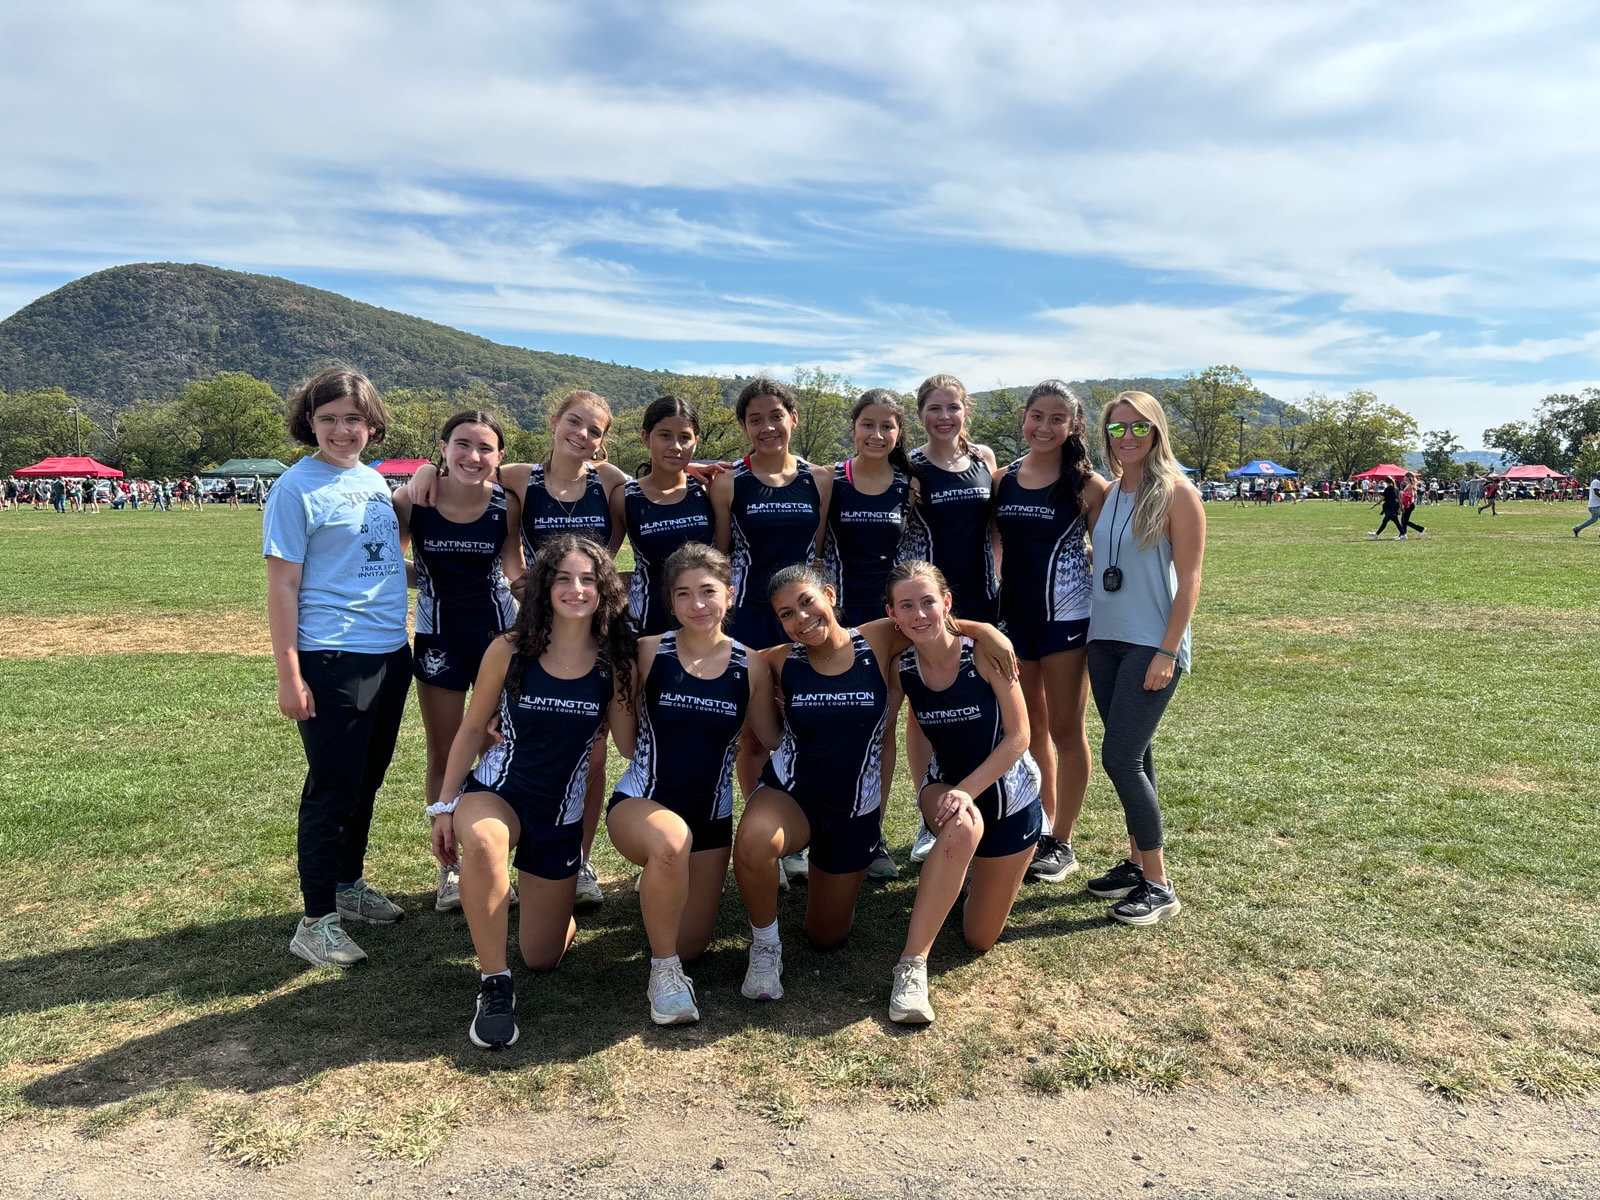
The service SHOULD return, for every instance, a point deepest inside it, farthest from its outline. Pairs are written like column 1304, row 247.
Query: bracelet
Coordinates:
column 439, row 809
column 1168, row 653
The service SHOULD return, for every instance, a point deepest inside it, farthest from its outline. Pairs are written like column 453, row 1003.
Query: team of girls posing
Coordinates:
column 735, row 660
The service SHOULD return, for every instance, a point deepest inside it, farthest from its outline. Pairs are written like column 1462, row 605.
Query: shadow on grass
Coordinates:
column 266, row 1020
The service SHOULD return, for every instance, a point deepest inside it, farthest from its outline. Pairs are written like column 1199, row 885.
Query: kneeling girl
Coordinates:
column 672, row 810
column 556, row 680
column 980, row 797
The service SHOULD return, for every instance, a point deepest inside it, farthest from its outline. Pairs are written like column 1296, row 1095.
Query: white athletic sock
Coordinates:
column 920, row 959
column 674, row 961
column 1047, row 827
column 484, row 978
column 766, row 935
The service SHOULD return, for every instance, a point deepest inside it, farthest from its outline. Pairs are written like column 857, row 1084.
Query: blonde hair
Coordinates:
column 1162, row 474
column 582, row 395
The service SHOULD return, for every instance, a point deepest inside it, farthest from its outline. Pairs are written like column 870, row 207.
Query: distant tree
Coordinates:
column 154, row 441
column 1285, row 437
column 35, row 422
column 824, row 400
column 1555, row 436
column 232, row 415
column 1439, row 448
column 1208, row 413
column 1356, row 431
column 1586, row 463
column 994, row 419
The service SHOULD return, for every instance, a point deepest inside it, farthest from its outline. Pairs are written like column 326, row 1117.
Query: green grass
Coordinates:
column 1378, row 791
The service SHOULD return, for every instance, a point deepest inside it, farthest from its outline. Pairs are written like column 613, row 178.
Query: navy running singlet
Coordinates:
column 548, row 726
column 543, row 515
column 863, row 540
column 655, row 531
column 688, row 735
column 950, row 529
column 772, row 528
column 460, row 586
column 962, row 724
column 832, row 744
column 1044, row 562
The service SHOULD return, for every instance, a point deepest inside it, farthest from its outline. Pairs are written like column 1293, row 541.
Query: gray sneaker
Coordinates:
column 922, row 844
column 363, row 902
column 908, row 996
column 763, row 979
column 447, row 896
column 882, row 865
column 589, row 893
column 324, row 942
column 672, row 997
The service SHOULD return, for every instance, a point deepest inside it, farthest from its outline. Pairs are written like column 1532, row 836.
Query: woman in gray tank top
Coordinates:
column 1149, row 538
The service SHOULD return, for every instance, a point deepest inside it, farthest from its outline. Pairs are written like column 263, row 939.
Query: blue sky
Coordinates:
column 1328, row 195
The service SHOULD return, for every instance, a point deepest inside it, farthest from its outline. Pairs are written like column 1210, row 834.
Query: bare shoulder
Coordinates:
column 984, row 455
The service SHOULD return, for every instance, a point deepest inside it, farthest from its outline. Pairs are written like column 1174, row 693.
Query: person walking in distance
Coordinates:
column 1594, row 503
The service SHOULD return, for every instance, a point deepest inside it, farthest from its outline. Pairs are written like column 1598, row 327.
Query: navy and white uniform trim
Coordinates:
column 655, row 531
column 864, row 537
column 689, row 734
column 771, row 527
column 1044, row 564
column 832, row 747
column 950, row 528
column 461, row 588
column 963, row 726
column 544, row 516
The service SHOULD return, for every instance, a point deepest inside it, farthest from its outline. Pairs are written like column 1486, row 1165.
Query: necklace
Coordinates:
column 569, row 509
column 1111, row 577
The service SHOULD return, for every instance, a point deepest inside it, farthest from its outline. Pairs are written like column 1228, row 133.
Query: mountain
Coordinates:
column 141, row 332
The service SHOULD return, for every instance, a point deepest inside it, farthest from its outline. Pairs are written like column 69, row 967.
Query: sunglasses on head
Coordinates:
column 1118, row 428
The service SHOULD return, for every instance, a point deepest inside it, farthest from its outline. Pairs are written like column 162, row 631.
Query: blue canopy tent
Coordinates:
column 1187, row 470
column 1262, row 468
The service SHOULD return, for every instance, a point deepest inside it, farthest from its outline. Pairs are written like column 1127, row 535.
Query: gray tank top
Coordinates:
column 1138, row 611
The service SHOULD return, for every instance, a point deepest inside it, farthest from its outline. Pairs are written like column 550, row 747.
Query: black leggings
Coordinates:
column 1408, row 522
column 1387, row 518
column 1130, row 715
column 360, row 699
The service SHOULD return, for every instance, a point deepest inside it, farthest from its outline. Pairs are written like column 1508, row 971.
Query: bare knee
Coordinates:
column 826, row 939
column 980, row 941
column 669, row 850
column 484, row 842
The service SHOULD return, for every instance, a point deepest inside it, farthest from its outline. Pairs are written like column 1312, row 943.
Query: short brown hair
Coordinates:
column 336, row 383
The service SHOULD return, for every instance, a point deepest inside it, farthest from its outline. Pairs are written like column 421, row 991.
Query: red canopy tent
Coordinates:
column 1537, row 471
column 68, row 464
column 1382, row 471
column 398, row 466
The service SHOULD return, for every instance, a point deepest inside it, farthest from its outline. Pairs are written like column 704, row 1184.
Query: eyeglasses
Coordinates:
column 1118, row 428
column 330, row 421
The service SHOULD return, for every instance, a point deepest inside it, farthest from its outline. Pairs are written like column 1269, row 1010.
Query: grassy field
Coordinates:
column 1379, row 789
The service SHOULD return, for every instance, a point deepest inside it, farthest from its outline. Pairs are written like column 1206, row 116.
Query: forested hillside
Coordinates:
column 141, row 332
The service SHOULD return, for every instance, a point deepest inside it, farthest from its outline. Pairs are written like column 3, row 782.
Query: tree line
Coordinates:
column 1219, row 419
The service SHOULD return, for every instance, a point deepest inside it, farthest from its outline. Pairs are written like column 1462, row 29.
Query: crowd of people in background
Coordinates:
column 90, row 494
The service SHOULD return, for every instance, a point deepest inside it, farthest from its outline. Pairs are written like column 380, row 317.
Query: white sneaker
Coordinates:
column 763, row 979
column 783, row 877
column 324, row 942
column 908, row 996
column 796, row 866
column 447, row 895
column 1372, row 533
column 589, row 893
column 672, row 996
column 1399, row 537
column 922, row 844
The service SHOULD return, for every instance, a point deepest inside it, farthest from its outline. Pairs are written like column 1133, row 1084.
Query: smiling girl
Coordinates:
column 1044, row 503
column 336, row 609
column 466, row 552
column 664, row 509
column 556, row 681
column 672, row 810
column 980, row 798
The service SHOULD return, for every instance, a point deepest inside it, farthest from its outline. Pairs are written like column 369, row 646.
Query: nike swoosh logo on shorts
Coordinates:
column 572, row 862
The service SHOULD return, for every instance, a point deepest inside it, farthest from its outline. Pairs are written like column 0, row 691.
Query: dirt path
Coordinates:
column 1387, row 1140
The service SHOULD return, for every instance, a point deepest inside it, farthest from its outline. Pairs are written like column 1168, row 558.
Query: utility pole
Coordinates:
column 77, row 443
column 1241, row 439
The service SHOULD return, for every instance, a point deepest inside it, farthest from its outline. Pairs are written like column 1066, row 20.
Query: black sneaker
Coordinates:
column 1053, row 861
column 1147, row 904
column 494, row 1024
column 1117, row 882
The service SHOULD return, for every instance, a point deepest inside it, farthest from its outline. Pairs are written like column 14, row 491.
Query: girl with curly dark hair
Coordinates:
column 562, row 673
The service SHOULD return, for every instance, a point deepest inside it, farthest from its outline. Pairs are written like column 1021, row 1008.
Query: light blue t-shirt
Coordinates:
column 339, row 524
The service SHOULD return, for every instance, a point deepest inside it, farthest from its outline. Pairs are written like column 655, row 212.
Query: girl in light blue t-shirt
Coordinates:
column 336, row 607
